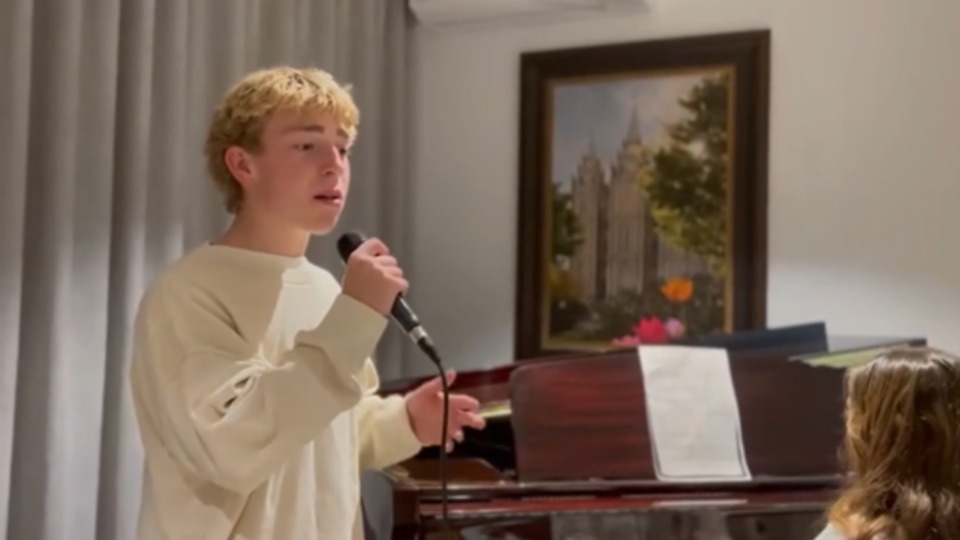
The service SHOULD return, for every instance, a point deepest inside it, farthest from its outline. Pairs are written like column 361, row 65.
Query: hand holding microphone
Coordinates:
column 373, row 277
column 375, row 265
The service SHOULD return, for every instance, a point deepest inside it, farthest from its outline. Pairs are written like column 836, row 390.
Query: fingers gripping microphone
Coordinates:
column 401, row 312
column 408, row 321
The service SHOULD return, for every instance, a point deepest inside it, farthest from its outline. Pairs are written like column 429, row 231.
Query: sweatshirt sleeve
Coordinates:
column 385, row 434
column 224, row 412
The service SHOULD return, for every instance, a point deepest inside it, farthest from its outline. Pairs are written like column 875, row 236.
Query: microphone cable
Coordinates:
column 431, row 352
column 404, row 317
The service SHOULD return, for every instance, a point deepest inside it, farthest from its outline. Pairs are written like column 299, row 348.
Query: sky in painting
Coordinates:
column 601, row 110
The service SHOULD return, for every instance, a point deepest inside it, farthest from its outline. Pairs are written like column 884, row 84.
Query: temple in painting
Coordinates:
column 621, row 249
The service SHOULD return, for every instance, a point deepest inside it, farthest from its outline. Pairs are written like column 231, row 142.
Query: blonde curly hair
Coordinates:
column 241, row 116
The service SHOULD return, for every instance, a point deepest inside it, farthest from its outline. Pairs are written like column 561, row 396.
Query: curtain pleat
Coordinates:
column 16, row 50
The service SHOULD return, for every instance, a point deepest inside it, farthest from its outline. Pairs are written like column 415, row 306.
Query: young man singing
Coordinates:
column 251, row 375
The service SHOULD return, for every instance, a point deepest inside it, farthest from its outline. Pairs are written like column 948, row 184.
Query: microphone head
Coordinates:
column 349, row 242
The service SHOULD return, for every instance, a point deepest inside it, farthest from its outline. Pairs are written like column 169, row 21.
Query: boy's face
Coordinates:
column 300, row 174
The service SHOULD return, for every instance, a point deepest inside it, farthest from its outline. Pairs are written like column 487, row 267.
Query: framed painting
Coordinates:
column 643, row 193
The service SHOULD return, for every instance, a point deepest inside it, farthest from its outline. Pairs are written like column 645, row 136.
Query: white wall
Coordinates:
column 864, row 165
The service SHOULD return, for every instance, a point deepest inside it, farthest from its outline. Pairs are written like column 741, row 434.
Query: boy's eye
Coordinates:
column 344, row 152
column 306, row 146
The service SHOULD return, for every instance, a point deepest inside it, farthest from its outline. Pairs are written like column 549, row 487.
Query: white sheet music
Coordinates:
column 692, row 414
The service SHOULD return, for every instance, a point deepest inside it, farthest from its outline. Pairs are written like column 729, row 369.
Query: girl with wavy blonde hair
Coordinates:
column 902, row 447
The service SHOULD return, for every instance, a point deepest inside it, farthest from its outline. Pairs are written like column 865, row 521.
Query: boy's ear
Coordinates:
column 240, row 165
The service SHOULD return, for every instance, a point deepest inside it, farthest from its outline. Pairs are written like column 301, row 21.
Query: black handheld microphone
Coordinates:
column 408, row 321
column 401, row 312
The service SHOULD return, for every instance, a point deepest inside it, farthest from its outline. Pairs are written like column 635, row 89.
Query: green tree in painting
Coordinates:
column 567, row 233
column 687, row 183
column 566, row 305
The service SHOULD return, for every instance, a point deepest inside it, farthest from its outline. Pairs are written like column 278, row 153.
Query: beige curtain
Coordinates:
column 103, row 110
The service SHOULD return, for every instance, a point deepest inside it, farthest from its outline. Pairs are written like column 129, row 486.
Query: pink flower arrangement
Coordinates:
column 655, row 329
column 652, row 330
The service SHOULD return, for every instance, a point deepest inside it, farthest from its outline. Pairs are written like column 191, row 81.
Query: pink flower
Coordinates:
column 651, row 330
column 674, row 328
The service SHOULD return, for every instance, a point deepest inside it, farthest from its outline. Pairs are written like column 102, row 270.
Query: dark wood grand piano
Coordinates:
column 567, row 450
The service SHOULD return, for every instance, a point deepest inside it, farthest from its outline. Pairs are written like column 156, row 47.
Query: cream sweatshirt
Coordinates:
column 254, row 395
